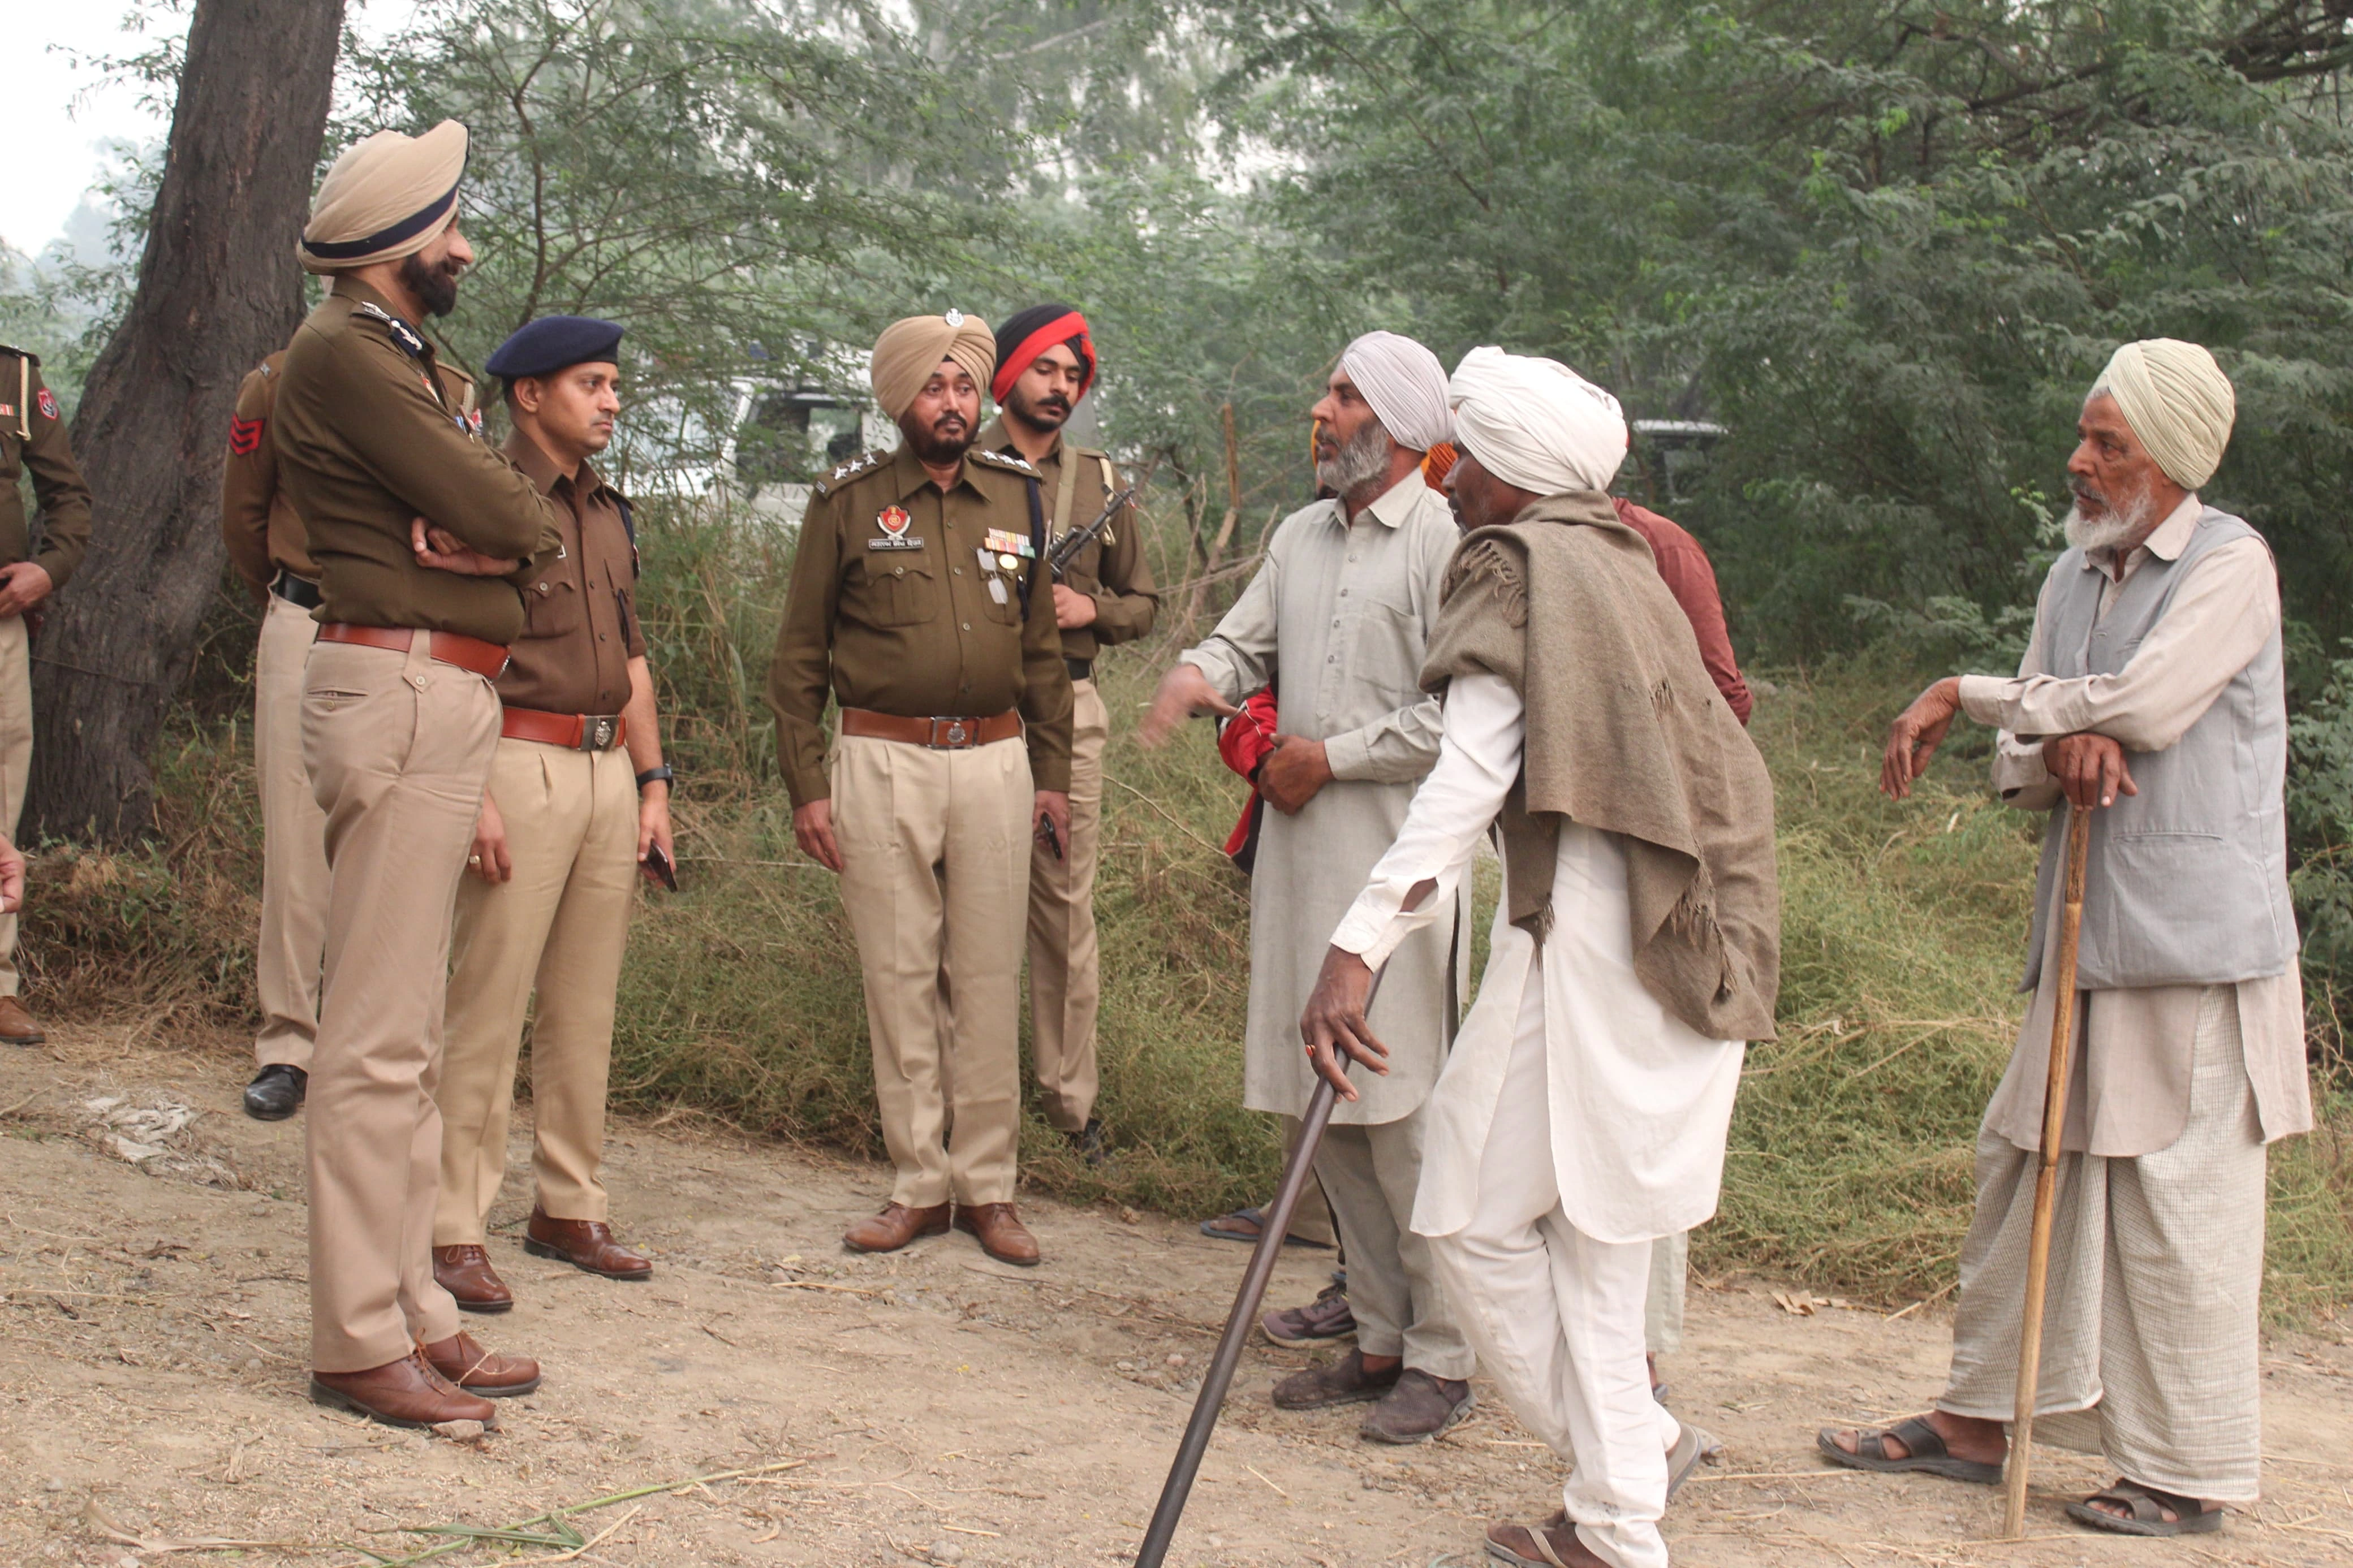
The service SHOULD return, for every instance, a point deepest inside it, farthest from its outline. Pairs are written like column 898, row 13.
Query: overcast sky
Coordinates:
column 61, row 115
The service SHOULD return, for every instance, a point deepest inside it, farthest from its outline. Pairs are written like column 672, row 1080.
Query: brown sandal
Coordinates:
column 1926, row 1453
column 2147, row 1517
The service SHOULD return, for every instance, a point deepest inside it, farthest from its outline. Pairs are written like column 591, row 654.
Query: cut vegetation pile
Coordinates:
column 1851, row 1165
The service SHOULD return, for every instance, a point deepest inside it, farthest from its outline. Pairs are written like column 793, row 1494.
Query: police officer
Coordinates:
column 579, row 797
column 1045, row 363
column 919, row 603
column 425, row 540
column 32, row 436
column 267, row 549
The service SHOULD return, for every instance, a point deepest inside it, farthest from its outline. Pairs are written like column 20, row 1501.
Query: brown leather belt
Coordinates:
column 487, row 659
column 941, row 734
column 573, row 732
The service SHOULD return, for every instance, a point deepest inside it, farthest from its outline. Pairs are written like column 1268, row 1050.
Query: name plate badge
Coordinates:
column 896, row 542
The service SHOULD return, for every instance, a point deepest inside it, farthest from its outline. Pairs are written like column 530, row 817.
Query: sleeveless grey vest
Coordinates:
column 2185, row 881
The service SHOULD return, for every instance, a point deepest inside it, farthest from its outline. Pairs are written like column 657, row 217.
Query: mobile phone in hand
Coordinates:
column 658, row 862
column 1049, row 837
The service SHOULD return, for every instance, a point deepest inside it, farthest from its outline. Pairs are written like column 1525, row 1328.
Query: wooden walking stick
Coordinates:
column 1274, row 1226
column 2046, row 1175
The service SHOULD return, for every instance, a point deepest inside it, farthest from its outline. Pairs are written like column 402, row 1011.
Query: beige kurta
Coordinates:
column 1338, row 619
column 2130, row 1089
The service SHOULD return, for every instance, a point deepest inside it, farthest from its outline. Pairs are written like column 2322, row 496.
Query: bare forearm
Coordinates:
column 643, row 724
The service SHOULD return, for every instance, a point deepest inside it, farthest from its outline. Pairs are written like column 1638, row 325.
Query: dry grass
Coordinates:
column 1850, row 1161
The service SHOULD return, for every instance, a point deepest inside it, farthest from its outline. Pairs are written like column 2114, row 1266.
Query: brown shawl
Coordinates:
column 1626, row 733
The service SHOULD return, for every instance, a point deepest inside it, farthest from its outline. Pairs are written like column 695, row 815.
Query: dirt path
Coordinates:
column 930, row 1407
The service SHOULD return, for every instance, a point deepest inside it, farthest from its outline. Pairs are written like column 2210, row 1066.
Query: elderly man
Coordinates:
column 919, row 603
column 1342, row 607
column 2150, row 694
column 1583, row 1113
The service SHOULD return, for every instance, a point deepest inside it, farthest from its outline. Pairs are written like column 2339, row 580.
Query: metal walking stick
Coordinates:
column 2046, row 1176
column 1273, row 1227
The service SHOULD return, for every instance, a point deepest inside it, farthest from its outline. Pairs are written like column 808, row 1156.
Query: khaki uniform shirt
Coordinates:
column 33, row 437
column 896, row 607
column 2129, row 1085
column 1075, row 483
column 368, row 439
column 581, row 616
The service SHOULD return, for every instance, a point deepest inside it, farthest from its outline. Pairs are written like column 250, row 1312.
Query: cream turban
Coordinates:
column 2178, row 402
column 1405, row 385
column 1535, row 423
column 908, row 351
column 384, row 198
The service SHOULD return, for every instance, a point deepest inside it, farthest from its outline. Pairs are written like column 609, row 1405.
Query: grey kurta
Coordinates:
column 1344, row 613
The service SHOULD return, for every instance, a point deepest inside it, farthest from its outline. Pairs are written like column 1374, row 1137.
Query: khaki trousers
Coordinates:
column 293, row 939
column 399, row 747
column 935, row 869
column 1370, row 1172
column 1065, row 984
column 15, row 764
column 557, row 928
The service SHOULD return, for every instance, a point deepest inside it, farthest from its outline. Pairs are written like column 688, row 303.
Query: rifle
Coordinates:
column 1065, row 549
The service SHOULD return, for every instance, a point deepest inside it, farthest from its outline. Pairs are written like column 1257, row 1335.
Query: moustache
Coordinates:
column 2083, row 491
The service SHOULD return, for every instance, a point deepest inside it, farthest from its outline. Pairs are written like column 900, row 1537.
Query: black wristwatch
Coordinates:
column 651, row 775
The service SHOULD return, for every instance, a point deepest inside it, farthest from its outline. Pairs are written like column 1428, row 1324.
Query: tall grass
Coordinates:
column 1850, row 1160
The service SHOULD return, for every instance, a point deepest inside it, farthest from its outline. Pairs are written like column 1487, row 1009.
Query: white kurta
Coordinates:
column 1338, row 620
column 1640, row 1101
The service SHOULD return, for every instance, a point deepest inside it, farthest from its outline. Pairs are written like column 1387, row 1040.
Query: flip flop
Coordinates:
column 2148, row 1506
column 1223, row 1228
column 1692, row 1445
column 1928, row 1454
column 1535, row 1532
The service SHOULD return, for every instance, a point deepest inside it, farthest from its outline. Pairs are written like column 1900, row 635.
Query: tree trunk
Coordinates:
column 219, row 288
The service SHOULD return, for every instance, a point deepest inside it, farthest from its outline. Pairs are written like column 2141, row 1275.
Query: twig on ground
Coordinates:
column 518, row 1534
column 1253, row 1469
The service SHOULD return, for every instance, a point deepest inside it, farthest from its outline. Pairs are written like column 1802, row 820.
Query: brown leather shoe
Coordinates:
column 896, row 1227
column 585, row 1243
column 465, row 1363
column 16, row 1025
column 1002, row 1235
column 405, row 1393
column 466, row 1273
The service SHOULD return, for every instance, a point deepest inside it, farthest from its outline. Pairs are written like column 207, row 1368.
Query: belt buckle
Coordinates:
column 956, row 738
column 597, row 734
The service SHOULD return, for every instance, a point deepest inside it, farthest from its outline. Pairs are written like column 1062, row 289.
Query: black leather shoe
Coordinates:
column 276, row 1092
column 1089, row 1141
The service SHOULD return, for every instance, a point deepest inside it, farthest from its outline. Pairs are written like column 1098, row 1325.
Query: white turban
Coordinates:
column 1537, row 423
column 1406, row 385
column 2177, row 401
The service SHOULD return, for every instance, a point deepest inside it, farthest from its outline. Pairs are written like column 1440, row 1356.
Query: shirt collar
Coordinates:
column 2167, row 542
column 908, row 474
column 541, row 470
column 997, row 436
column 1397, row 503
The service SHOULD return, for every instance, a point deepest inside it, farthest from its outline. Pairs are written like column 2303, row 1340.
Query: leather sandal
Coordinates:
column 2149, row 1508
column 1514, row 1543
column 1927, row 1453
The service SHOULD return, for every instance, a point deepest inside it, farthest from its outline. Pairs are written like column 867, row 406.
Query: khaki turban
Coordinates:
column 908, row 351
column 1537, row 423
column 1406, row 386
column 2177, row 401
column 385, row 197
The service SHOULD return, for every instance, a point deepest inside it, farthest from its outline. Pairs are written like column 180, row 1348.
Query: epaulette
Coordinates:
column 25, row 355
column 848, row 470
column 1013, row 460
column 406, row 336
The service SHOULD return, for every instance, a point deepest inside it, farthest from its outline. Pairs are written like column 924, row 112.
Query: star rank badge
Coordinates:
column 894, row 520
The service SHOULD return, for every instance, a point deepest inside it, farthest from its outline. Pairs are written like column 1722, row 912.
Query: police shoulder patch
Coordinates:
column 1013, row 460
column 411, row 341
column 848, row 470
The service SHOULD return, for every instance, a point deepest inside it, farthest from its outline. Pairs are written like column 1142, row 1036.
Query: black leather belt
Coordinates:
column 297, row 590
column 1081, row 668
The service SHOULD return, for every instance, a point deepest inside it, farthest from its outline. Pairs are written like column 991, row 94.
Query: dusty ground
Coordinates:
column 933, row 1407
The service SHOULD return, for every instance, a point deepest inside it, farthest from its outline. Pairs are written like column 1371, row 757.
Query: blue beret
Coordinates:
column 552, row 343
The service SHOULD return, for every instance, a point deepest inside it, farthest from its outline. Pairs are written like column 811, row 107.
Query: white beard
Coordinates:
column 1360, row 460
column 2112, row 528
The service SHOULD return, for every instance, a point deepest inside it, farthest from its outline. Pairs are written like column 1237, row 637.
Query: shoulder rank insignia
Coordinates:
column 402, row 333
column 1013, row 460
column 32, row 359
column 245, row 436
column 849, row 470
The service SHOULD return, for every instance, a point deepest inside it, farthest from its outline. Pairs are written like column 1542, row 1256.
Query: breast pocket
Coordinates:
column 899, row 592
column 552, row 609
column 1009, row 589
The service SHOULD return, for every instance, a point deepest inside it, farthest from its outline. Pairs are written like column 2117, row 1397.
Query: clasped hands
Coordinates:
column 2089, row 768
column 441, row 551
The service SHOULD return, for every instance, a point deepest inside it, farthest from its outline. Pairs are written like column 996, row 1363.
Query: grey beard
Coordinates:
column 2120, row 524
column 1363, row 458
